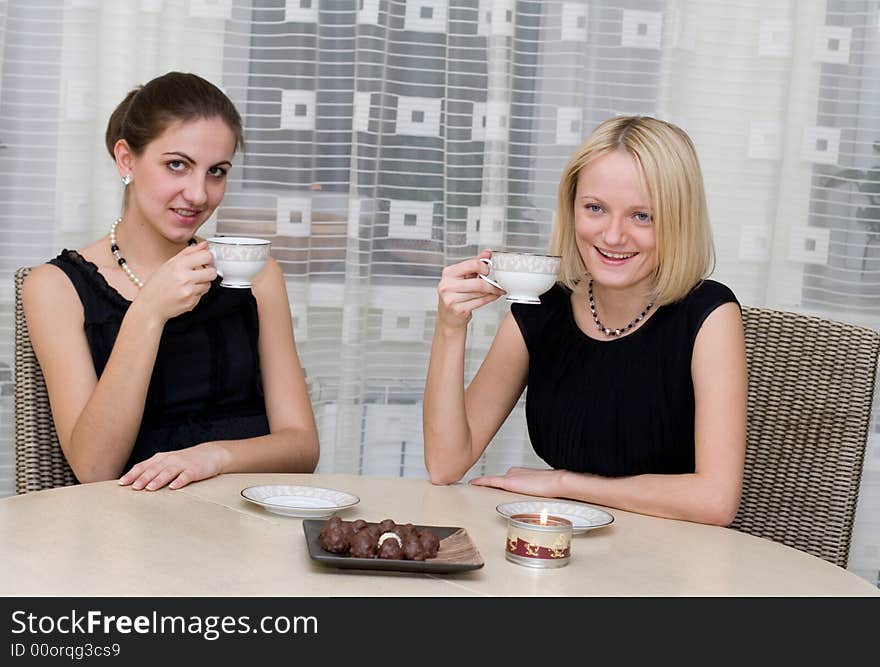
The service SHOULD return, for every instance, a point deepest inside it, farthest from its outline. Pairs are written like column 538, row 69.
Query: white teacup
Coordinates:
column 238, row 258
column 524, row 276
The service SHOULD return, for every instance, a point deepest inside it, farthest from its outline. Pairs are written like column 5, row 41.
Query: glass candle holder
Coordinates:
column 539, row 541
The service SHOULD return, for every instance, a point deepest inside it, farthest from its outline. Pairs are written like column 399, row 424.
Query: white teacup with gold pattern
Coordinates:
column 524, row 276
column 238, row 258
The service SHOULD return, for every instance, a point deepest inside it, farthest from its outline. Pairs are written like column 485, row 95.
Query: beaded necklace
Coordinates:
column 613, row 332
column 114, row 248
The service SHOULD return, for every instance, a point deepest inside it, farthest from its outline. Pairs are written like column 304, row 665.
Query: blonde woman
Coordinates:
column 634, row 361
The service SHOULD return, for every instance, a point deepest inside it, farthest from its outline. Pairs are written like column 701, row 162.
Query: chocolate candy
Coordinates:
column 363, row 545
column 413, row 549
column 430, row 543
column 387, row 525
column 334, row 540
column 385, row 539
column 390, row 549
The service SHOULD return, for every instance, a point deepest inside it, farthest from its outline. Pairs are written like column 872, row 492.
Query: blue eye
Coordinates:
column 176, row 165
column 593, row 208
column 217, row 172
column 643, row 217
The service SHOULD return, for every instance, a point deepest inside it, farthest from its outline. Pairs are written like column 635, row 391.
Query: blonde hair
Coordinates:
column 671, row 170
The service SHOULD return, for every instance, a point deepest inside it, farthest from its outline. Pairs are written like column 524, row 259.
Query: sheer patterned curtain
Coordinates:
column 389, row 138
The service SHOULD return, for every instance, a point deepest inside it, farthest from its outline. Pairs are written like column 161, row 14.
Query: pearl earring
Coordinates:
column 128, row 178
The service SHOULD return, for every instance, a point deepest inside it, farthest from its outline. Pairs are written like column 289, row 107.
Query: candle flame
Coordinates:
column 544, row 517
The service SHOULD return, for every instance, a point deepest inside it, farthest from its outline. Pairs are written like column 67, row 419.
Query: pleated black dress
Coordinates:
column 619, row 407
column 206, row 382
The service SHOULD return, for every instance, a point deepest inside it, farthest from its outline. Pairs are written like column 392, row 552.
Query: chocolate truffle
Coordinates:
column 333, row 522
column 334, row 540
column 406, row 529
column 430, row 543
column 390, row 549
column 387, row 525
column 389, row 536
column 358, row 525
column 373, row 531
column 363, row 545
column 413, row 549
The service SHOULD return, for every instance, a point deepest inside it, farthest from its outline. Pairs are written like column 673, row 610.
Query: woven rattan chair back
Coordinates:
column 39, row 461
column 811, row 386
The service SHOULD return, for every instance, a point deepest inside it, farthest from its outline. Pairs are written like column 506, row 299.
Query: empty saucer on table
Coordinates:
column 313, row 502
column 582, row 517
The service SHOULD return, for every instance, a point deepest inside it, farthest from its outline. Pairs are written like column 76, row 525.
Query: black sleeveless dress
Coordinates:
column 206, row 382
column 619, row 407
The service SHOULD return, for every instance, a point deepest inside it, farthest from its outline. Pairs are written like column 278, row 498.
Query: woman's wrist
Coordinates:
column 571, row 484
column 449, row 331
column 142, row 317
column 221, row 456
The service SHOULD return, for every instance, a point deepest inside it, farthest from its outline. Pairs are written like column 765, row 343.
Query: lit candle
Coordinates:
column 538, row 540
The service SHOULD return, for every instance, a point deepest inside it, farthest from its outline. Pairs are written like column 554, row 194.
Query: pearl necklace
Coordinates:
column 613, row 332
column 114, row 248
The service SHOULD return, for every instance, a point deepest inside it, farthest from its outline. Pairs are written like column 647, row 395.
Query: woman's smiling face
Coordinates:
column 614, row 225
column 180, row 177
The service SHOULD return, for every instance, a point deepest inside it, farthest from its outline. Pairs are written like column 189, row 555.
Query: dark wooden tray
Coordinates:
column 312, row 527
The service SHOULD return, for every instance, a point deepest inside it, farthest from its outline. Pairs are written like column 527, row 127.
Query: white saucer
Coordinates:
column 582, row 517
column 311, row 502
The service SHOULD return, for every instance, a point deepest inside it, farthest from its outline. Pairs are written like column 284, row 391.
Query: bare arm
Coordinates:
column 291, row 445
column 709, row 495
column 458, row 423
column 96, row 422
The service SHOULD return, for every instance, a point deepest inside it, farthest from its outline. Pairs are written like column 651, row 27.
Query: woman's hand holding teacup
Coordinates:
column 178, row 285
column 462, row 291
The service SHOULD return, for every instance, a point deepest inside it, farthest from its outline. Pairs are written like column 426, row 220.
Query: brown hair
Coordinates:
column 148, row 110
column 668, row 162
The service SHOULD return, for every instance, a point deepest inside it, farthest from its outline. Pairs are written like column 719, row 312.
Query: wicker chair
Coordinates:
column 39, row 461
column 811, row 386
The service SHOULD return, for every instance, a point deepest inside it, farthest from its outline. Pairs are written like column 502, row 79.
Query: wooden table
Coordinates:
column 205, row 539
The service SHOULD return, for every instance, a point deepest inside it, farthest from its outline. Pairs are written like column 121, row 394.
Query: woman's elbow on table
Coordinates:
column 441, row 476
column 88, row 469
column 311, row 451
column 720, row 510
column 89, row 474
column 442, row 480
column 440, row 471
column 296, row 449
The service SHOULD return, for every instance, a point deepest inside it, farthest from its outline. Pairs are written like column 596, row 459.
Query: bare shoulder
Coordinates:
column 50, row 303
column 45, row 284
column 508, row 352
column 270, row 291
column 720, row 341
column 724, row 321
column 268, row 281
column 510, row 336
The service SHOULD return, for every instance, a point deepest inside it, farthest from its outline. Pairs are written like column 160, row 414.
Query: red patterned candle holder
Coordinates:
column 538, row 540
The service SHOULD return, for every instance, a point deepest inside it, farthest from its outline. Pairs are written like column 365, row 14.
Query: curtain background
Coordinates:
column 389, row 138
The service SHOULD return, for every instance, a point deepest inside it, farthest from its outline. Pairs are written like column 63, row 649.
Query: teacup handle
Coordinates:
column 488, row 262
column 216, row 264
